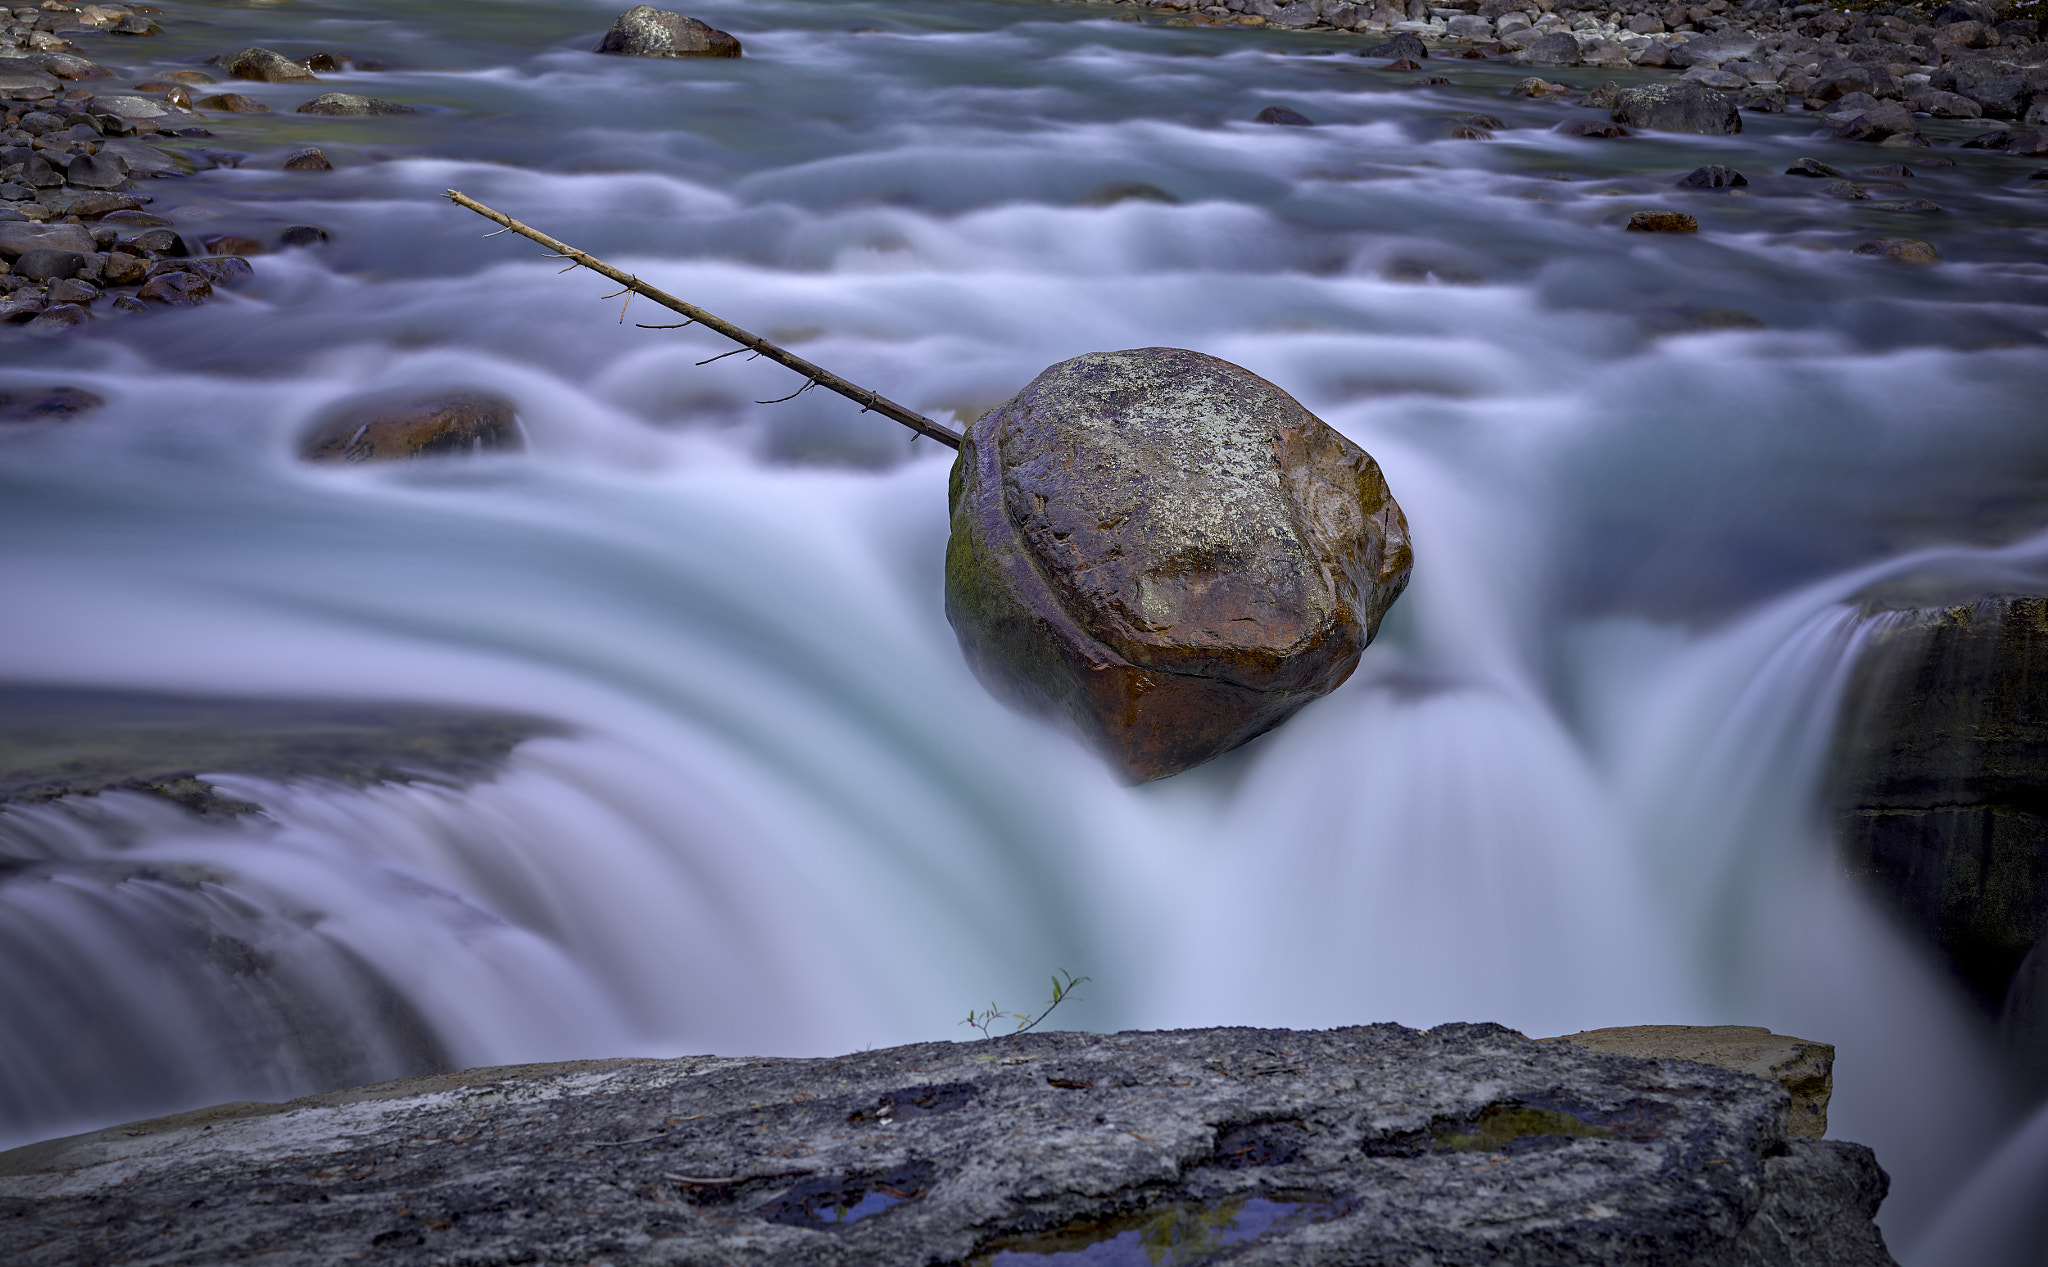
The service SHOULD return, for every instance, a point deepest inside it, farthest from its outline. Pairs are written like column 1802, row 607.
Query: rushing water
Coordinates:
column 1571, row 786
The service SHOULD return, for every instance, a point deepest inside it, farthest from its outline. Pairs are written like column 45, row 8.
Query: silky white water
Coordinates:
column 1572, row 785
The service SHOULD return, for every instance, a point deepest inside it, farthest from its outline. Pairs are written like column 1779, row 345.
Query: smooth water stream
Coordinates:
column 1571, row 786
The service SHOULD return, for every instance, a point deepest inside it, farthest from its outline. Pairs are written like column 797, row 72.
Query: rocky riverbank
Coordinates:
column 1374, row 1143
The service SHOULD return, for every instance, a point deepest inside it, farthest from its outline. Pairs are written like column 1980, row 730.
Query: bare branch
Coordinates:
column 798, row 392
column 721, row 356
column 818, row 376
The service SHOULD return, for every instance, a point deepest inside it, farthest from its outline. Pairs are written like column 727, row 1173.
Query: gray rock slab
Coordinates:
column 19, row 72
column 1466, row 1144
column 62, row 741
column 19, row 237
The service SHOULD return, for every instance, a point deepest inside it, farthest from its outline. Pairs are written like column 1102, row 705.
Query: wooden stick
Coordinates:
column 815, row 375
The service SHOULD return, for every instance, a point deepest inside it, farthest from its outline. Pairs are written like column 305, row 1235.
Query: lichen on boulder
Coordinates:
column 645, row 31
column 1168, row 551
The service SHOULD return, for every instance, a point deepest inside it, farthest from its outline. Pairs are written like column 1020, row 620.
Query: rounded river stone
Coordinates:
column 1167, row 550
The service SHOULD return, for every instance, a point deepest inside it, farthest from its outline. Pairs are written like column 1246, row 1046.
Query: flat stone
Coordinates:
column 17, row 73
column 16, row 239
column 1463, row 1144
column 349, row 104
column 129, row 107
column 1167, row 551
column 645, row 31
column 146, row 160
column 69, row 742
column 383, row 427
column 1806, row 1069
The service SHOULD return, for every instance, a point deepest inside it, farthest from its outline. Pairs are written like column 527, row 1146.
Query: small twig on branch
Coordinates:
column 818, row 376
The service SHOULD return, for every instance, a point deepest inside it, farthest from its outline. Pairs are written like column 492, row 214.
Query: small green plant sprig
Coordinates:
column 1062, row 990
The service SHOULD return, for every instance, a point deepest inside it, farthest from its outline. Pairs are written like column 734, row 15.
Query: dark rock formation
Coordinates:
column 1662, row 222
column 63, row 741
column 1402, row 46
column 1167, row 550
column 264, row 66
column 1376, row 1144
column 46, row 404
column 1941, row 776
column 1904, row 250
column 1678, row 107
column 645, row 31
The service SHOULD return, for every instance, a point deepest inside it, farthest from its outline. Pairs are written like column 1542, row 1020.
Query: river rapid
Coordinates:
column 1574, row 783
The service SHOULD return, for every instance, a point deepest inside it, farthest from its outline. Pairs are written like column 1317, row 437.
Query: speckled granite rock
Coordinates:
column 1167, row 550
column 1467, row 1144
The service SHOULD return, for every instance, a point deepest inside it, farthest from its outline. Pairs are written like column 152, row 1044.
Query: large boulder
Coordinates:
column 1168, row 550
column 1678, row 107
column 1368, row 1144
column 645, row 31
column 382, row 427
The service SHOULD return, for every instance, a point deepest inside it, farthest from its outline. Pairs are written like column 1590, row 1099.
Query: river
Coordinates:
column 1572, row 785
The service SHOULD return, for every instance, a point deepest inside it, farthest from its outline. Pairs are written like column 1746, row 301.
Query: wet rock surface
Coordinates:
column 1468, row 1143
column 60, row 742
column 1941, row 778
column 1806, row 1069
column 383, row 427
column 1168, row 551
column 1677, row 107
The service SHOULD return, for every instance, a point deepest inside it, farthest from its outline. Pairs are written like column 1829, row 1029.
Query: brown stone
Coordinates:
column 1167, row 550
column 1905, row 250
column 232, row 103
column 311, row 160
column 1663, row 222
column 1805, row 1069
column 180, row 290
column 383, row 427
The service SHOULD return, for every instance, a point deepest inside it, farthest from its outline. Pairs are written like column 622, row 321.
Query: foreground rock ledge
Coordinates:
column 1376, row 1144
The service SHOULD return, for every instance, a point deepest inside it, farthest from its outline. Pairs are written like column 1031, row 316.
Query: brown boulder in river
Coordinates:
column 380, row 428
column 1168, row 550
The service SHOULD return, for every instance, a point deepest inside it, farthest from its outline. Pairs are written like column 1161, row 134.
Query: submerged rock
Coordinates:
column 1904, row 250
column 1663, row 222
column 382, row 427
column 1678, row 107
column 1282, row 115
column 350, row 105
column 1167, row 550
column 1465, row 1144
column 265, row 66
column 1805, row 1069
column 645, row 31
column 46, row 404
column 60, row 742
